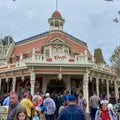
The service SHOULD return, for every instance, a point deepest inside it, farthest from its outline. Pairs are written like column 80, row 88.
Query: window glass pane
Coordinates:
column 47, row 53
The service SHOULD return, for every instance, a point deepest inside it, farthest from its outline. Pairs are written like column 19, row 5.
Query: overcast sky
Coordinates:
column 88, row 20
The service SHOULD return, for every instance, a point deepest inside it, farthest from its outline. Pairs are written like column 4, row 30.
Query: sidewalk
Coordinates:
column 88, row 117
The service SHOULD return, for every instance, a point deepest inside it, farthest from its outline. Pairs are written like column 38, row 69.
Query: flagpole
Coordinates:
column 56, row 4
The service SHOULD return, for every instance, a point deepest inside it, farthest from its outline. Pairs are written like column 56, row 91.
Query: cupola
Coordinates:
column 56, row 21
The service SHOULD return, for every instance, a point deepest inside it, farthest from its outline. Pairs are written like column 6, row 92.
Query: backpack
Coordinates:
column 118, row 107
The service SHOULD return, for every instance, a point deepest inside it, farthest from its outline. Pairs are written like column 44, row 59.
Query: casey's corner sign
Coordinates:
column 60, row 57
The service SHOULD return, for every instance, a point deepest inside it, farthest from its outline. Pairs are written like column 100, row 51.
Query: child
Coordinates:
column 36, row 114
column 64, row 105
column 21, row 114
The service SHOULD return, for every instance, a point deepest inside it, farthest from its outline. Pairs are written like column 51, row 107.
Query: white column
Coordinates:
column 97, row 85
column 32, row 82
column 33, row 54
column 107, row 81
column 13, row 84
column 85, row 90
column 116, row 89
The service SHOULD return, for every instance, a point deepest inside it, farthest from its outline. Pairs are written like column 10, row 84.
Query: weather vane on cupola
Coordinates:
column 56, row 21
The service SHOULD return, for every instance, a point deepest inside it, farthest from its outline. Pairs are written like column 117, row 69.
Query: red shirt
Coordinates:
column 105, row 115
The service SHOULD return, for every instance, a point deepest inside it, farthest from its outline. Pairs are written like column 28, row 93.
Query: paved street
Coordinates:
column 88, row 117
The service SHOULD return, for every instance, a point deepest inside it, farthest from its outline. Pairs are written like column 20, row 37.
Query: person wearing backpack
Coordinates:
column 50, row 107
column 105, row 113
column 72, row 111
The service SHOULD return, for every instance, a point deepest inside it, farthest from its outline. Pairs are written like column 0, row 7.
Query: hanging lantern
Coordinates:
column 59, row 76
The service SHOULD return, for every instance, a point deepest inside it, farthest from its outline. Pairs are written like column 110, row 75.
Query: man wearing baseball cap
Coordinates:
column 72, row 111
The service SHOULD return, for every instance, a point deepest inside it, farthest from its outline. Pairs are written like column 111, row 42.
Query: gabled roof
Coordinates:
column 37, row 41
column 45, row 34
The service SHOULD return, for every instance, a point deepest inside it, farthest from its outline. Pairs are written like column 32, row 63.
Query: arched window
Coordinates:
column 37, row 86
column 59, row 49
column 47, row 53
column 27, row 86
column 54, row 50
column 19, row 89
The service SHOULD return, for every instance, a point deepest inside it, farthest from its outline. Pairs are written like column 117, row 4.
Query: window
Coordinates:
column 54, row 50
column 47, row 53
column 27, row 86
column 59, row 49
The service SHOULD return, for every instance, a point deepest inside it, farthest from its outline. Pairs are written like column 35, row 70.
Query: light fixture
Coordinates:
column 22, row 78
column 60, row 76
column 6, row 80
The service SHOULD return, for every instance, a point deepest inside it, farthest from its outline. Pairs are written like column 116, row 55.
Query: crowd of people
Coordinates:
column 62, row 106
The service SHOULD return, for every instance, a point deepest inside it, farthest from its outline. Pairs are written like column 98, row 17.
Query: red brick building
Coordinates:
column 53, row 61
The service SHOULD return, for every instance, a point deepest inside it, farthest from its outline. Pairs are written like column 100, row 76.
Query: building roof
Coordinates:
column 37, row 41
column 56, row 14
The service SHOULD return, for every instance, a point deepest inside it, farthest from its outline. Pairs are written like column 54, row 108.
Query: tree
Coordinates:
column 115, row 60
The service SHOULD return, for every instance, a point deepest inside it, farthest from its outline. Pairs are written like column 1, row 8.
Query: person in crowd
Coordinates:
column 105, row 113
column 37, row 100
column 60, row 100
column 6, row 101
column 72, row 111
column 36, row 114
column 112, row 98
column 50, row 107
column 54, row 96
column 104, row 97
column 27, row 104
column 21, row 114
column 64, row 105
column 14, row 106
column 94, row 104
column 66, row 95
column 81, row 101
column 3, row 98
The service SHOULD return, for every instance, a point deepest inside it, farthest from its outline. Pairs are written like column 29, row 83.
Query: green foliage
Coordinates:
column 115, row 60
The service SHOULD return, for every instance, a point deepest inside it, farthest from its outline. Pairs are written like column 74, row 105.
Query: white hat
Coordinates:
column 110, row 106
column 47, row 94
column 104, row 102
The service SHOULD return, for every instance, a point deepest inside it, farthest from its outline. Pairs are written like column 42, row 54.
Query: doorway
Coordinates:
column 56, row 86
